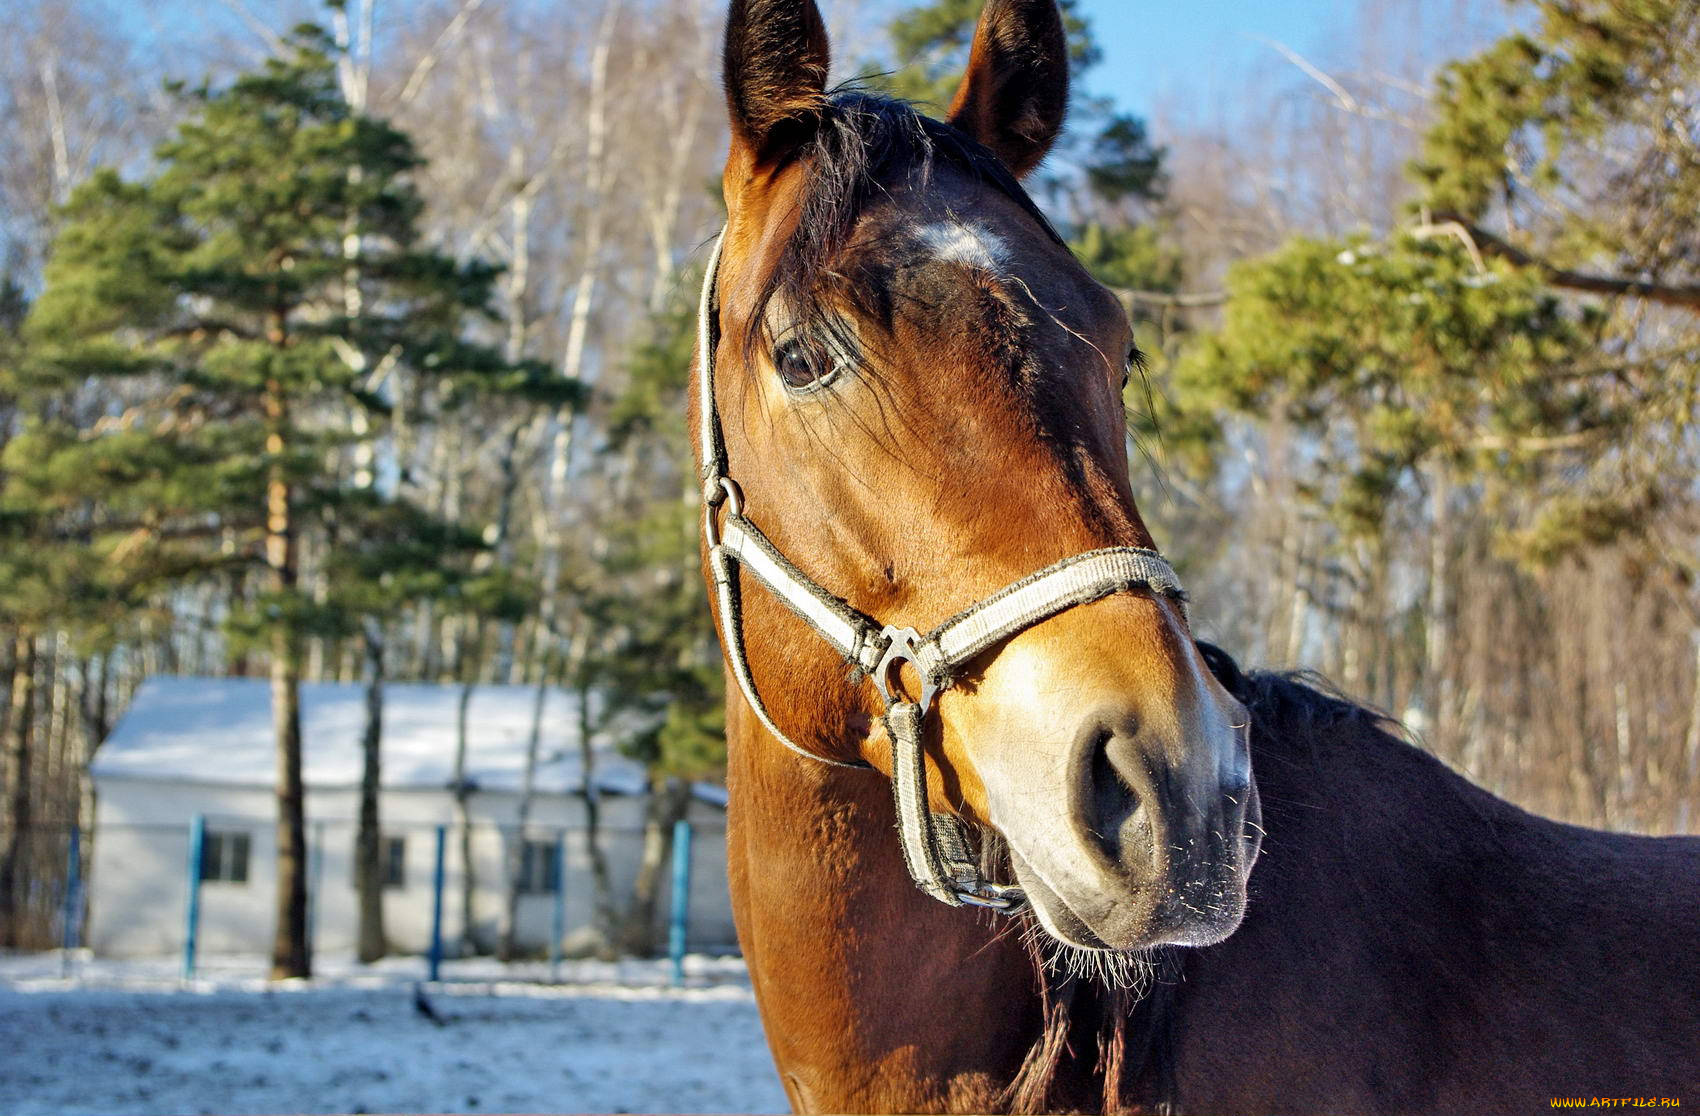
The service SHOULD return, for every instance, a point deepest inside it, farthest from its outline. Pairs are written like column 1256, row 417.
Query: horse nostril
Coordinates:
column 1111, row 798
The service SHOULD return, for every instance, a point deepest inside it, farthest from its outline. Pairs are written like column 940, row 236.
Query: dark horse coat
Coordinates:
column 1415, row 944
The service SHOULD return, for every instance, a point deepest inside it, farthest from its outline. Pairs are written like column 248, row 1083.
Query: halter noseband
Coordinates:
column 934, row 849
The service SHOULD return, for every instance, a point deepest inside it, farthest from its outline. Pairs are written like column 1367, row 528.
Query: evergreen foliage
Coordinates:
column 1594, row 101
column 1397, row 356
column 1572, row 149
column 263, row 284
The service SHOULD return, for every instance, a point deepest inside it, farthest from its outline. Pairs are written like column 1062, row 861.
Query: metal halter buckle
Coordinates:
column 900, row 648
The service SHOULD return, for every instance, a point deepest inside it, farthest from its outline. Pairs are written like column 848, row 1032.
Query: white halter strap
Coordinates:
column 933, row 845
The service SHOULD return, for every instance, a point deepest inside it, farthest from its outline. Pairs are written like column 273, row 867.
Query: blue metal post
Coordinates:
column 434, row 961
column 558, row 925
column 191, row 931
column 71, row 929
column 681, row 898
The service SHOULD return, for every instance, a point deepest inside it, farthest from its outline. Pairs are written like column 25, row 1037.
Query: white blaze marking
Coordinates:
column 970, row 245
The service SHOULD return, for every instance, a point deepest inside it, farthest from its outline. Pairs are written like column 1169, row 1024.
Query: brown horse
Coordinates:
column 914, row 389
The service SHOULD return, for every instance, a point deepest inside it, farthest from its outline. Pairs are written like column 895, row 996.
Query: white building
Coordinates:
column 191, row 747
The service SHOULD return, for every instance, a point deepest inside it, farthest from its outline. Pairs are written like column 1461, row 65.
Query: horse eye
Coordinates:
column 1133, row 359
column 800, row 363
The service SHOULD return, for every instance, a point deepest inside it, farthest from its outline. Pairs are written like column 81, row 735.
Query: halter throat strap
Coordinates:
column 934, row 848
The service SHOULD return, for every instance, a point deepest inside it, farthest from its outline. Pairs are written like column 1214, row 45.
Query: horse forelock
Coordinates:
column 867, row 147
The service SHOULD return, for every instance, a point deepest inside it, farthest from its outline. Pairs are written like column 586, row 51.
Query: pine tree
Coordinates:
column 1420, row 386
column 1571, row 150
column 1399, row 356
column 23, row 599
column 236, row 299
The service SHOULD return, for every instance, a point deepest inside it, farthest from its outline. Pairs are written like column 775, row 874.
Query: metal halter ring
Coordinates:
column 900, row 649
column 734, row 496
column 724, row 490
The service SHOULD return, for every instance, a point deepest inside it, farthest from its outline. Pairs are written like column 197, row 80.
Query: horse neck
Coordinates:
column 875, row 998
column 1357, row 827
column 1393, row 900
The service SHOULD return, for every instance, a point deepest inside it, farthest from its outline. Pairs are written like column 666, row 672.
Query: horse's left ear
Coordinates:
column 1015, row 94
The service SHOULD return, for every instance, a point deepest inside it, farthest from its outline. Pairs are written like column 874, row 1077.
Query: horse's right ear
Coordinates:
column 776, row 61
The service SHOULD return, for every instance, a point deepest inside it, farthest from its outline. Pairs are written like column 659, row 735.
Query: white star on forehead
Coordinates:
column 972, row 245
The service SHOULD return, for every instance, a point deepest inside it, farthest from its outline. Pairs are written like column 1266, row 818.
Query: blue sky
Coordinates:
column 1161, row 53
column 1175, row 63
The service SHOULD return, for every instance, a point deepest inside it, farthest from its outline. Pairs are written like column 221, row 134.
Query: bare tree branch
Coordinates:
column 1550, row 443
column 1342, row 96
column 1176, row 299
column 1683, row 295
column 1433, row 229
column 274, row 41
column 428, row 62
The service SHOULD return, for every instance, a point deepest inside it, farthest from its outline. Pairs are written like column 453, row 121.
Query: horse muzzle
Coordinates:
column 1128, row 832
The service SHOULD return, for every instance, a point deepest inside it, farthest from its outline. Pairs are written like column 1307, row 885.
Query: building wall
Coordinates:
column 139, row 872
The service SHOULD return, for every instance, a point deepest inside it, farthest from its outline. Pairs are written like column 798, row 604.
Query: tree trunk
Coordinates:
column 96, row 724
column 240, row 667
column 462, row 788
column 604, row 920
column 371, row 941
column 1438, row 648
column 669, row 800
column 421, row 664
column 59, row 774
column 1691, row 746
column 1624, row 783
column 290, row 949
column 1298, row 617
column 522, row 815
column 15, row 770
column 468, row 872
column 597, row 179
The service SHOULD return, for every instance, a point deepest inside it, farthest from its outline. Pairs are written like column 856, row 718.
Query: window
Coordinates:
column 539, row 867
column 394, row 853
column 224, row 857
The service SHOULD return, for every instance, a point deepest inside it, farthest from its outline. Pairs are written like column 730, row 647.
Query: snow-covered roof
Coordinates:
column 219, row 730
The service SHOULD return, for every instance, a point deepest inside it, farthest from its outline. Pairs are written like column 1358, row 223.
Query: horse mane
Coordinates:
column 864, row 146
column 1130, row 1025
column 1285, row 703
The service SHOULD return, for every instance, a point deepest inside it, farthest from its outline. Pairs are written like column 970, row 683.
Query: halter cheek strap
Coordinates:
column 934, row 848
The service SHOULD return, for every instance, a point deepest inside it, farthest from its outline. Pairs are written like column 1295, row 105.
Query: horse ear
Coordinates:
column 1015, row 94
column 776, row 60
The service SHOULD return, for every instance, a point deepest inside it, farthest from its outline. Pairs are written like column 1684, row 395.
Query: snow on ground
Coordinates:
column 128, row 1038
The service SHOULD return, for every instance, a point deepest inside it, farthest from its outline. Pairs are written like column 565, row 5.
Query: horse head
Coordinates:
column 918, row 389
